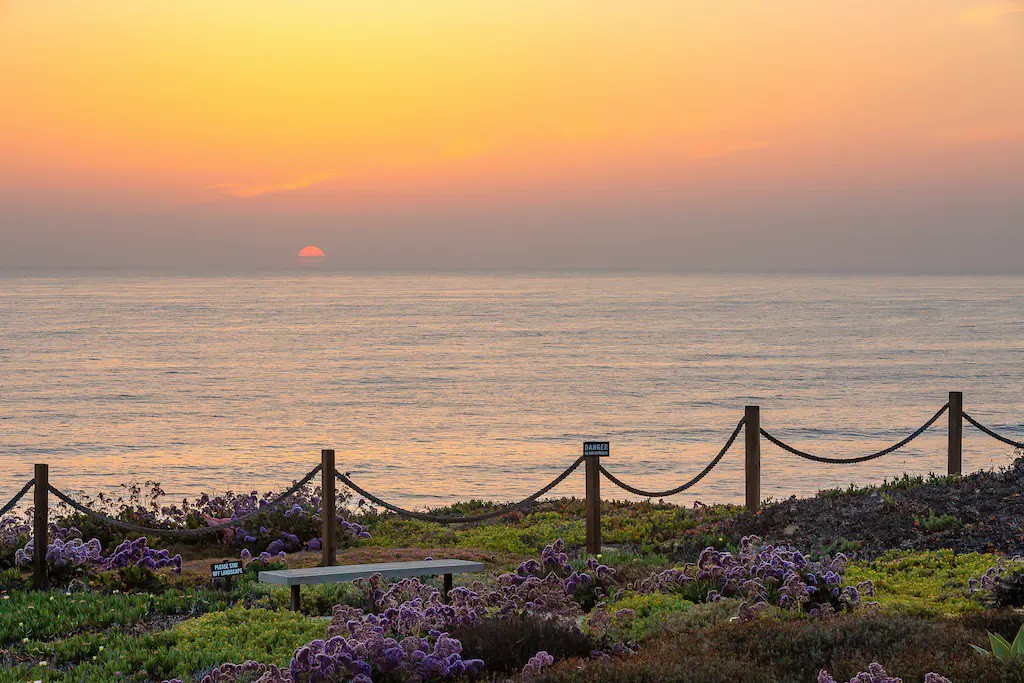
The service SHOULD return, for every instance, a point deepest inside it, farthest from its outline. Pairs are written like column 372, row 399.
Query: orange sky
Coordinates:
column 323, row 106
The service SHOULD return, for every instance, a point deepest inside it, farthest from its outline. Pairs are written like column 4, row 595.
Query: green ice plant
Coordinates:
column 1002, row 649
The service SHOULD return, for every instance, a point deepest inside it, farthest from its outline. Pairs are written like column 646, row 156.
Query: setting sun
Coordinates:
column 312, row 252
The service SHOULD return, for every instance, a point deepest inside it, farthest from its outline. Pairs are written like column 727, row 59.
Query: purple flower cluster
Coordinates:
column 406, row 642
column 63, row 554
column 537, row 663
column 410, row 606
column 550, row 585
column 990, row 579
column 762, row 575
column 262, row 560
column 373, row 653
column 286, row 543
column 286, row 528
column 137, row 553
column 13, row 530
column 69, row 551
column 302, row 521
column 876, row 674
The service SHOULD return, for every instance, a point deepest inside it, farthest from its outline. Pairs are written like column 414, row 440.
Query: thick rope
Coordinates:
column 237, row 521
column 842, row 461
column 983, row 428
column 17, row 497
column 679, row 489
column 439, row 519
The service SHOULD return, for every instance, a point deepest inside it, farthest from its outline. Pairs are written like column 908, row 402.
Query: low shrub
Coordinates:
column 633, row 617
column 46, row 615
column 770, row 650
column 184, row 651
column 762, row 575
column 877, row 674
column 935, row 523
column 507, row 643
column 931, row 581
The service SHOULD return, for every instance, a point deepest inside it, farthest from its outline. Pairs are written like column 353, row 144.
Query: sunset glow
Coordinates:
column 243, row 99
column 388, row 109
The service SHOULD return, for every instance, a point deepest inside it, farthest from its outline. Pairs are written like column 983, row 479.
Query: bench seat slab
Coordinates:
column 388, row 570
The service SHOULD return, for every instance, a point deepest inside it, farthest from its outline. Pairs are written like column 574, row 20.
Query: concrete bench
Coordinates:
column 296, row 578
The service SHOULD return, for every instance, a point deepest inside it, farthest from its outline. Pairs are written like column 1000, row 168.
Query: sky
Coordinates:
column 849, row 135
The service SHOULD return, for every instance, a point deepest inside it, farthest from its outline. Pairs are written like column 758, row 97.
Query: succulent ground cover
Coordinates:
column 702, row 593
column 979, row 512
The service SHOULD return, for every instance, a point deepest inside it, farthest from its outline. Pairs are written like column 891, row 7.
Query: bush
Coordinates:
column 762, row 575
column 774, row 651
column 633, row 617
column 506, row 644
column 935, row 523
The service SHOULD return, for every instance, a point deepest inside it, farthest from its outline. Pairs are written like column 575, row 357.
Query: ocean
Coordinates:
column 440, row 387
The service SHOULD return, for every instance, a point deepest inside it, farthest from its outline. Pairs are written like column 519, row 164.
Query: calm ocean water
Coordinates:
column 443, row 387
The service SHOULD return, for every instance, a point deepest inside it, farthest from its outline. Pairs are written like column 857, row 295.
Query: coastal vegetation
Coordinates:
column 898, row 580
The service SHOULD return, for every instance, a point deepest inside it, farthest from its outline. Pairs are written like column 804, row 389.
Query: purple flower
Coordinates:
column 537, row 662
column 876, row 674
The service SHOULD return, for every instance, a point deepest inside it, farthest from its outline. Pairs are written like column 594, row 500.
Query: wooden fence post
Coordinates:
column 328, row 508
column 40, row 525
column 752, row 427
column 954, row 464
column 592, row 452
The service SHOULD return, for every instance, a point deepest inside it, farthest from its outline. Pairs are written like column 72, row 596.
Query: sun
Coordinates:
column 310, row 255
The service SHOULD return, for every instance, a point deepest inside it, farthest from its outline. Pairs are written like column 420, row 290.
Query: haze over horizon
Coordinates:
column 656, row 135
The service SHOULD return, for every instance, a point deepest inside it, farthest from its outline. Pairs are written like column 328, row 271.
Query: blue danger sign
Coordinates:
column 598, row 448
column 223, row 570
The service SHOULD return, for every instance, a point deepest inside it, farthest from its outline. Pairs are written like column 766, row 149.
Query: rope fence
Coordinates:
column 464, row 519
column 997, row 437
column 17, row 497
column 862, row 458
column 682, row 487
column 750, row 425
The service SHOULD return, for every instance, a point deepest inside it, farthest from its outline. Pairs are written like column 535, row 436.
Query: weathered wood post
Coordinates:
column 954, row 463
column 40, row 525
column 752, row 434
column 593, row 451
column 328, row 508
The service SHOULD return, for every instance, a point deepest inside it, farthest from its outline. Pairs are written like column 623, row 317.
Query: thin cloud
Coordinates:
column 245, row 191
column 992, row 13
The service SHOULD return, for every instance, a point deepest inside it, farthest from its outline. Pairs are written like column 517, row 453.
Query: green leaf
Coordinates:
column 981, row 651
column 1018, row 644
column 1000, row 647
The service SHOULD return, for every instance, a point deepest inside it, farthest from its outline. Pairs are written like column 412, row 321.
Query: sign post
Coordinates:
column 223, row 571
column 593, row 451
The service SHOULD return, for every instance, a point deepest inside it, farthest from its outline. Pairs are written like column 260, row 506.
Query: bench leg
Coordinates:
column 447, row 588
column 296, row 601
